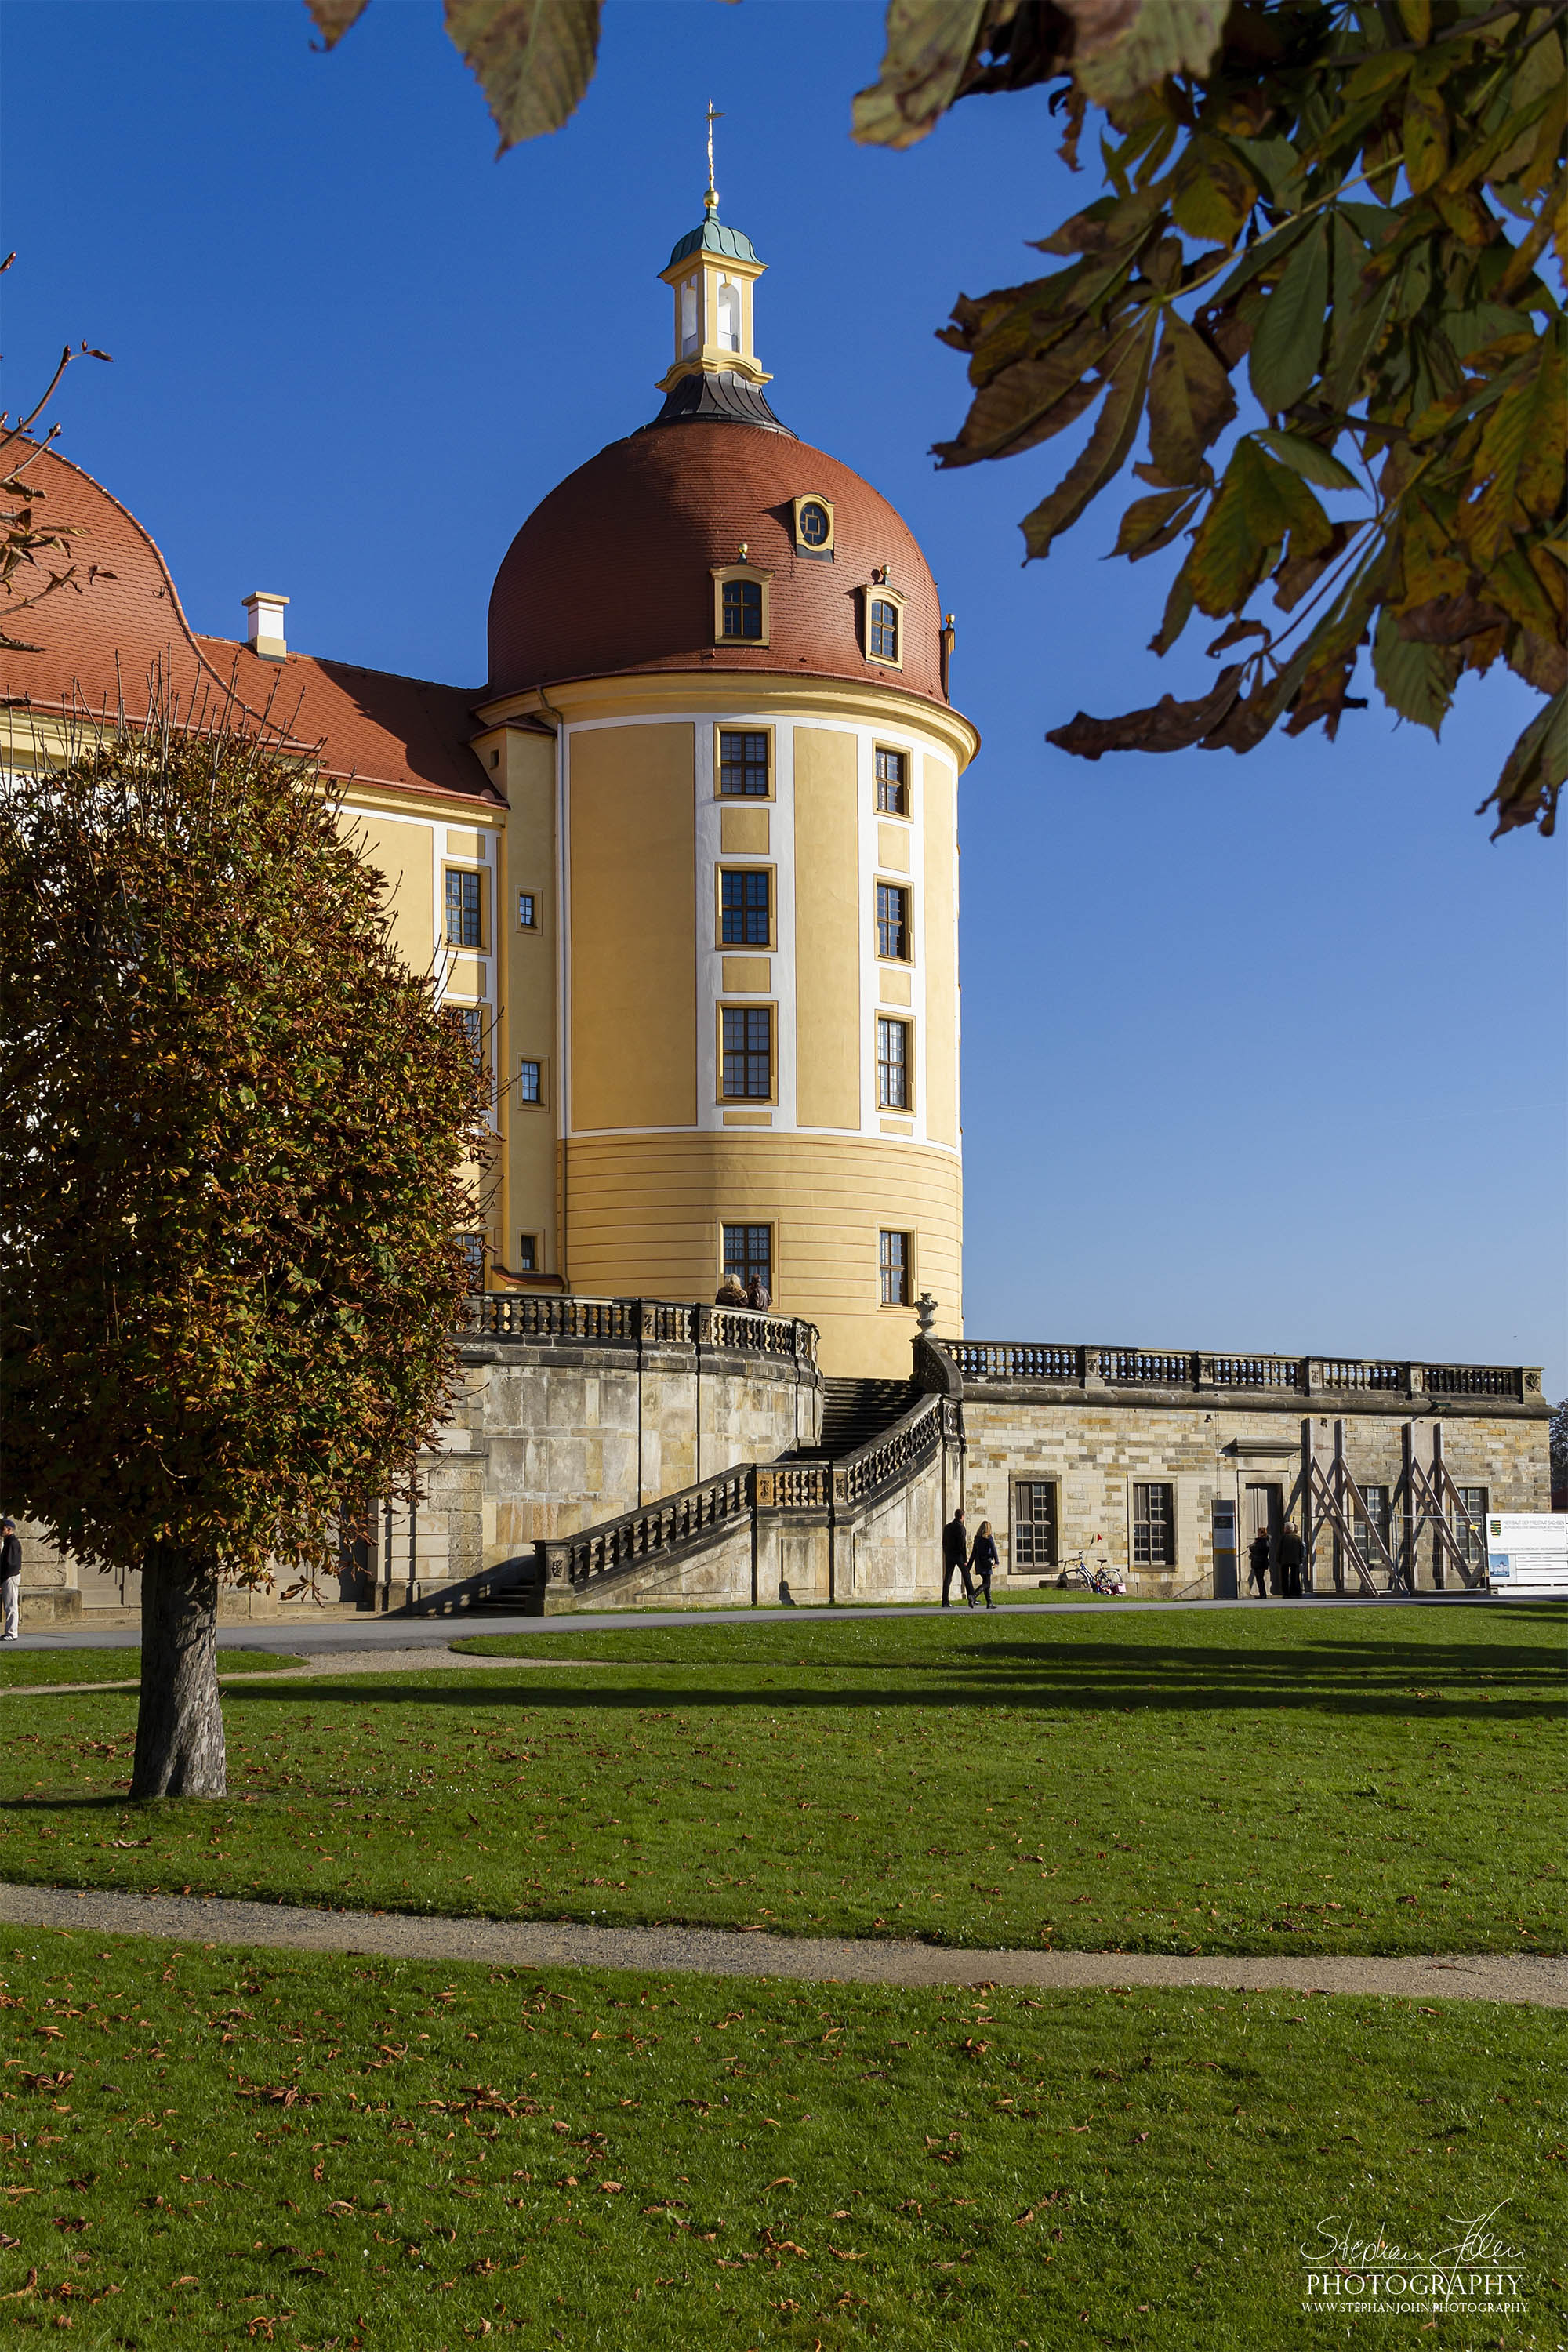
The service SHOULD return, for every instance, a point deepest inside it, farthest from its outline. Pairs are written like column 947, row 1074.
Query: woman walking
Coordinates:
column 983, row 1559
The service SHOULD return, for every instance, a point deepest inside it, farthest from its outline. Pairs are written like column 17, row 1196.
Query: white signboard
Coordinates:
column 1527, row 1553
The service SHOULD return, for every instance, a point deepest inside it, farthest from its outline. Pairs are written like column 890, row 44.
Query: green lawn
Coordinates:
column 19, row 1669
column 1381, row 1781
column 224, row 2147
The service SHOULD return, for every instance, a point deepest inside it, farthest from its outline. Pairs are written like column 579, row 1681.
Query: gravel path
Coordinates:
column 1537, row 1982
column 384, row 1661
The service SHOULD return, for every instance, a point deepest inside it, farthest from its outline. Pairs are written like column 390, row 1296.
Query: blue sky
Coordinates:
column 1257, row 1053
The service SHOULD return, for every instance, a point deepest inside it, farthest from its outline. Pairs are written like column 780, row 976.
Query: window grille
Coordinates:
column 528, row 1253
column 748, row 1052
column 746, row 909
column 1153, row 1527
column 1035, row 1523
column 884, row 630
column 893, row 1065
column 471, row 1021
column 749, row 1252
column 464, row 926
column 892, row 784
column 743, row 609
column 527, row 911
column 743, row 764
column 473, row 1248
column 893, row 1263
column 1376, row 1518
column 531, row 1082
column 893, row 921
column 1472, row 1539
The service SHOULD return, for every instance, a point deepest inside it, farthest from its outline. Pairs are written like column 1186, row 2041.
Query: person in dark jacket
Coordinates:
column 1258, row 1563
column 1292, row 1562
column 983, row 1559
column 956, row 1555
column 758, row 1296
column 10, row 1580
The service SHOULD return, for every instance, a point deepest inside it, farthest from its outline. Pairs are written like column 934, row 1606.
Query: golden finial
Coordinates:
column 710, row 201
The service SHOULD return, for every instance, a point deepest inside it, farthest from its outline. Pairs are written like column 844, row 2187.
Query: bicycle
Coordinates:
column 1098, row 1579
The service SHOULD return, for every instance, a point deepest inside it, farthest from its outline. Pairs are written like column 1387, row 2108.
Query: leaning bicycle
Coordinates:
column 1098, row 1579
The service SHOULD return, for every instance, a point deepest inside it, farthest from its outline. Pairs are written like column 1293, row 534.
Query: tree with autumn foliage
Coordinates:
column 1339, row 207
column 238, row 1133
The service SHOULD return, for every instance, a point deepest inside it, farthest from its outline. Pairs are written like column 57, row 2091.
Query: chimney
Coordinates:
column 267, row 625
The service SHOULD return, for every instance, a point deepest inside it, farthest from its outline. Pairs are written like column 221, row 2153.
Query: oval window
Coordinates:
column 814, row 524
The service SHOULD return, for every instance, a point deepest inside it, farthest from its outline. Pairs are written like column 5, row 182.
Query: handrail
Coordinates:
column 718, row 1506
column 657, row 1322
column 1002, row 1362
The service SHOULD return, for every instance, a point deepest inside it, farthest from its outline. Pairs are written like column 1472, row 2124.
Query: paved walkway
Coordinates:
column 1540, row 1982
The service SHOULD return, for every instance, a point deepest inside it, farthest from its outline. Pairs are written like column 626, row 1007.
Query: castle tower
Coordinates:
column 718, row 706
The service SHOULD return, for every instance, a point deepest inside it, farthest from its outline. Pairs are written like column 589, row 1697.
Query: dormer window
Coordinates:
column 883, row 609
column 814, row 528
column 741, row 603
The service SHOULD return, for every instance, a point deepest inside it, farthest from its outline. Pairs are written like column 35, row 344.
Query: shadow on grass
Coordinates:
column 1489, row 1683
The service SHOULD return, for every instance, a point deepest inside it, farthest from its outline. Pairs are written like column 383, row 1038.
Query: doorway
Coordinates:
column 1264, row 1505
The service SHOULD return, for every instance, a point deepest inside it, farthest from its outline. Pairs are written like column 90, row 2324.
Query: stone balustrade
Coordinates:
column 995, row 1363
column 543, row 1316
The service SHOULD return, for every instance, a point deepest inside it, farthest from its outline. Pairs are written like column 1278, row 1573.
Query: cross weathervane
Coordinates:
column 715, row 114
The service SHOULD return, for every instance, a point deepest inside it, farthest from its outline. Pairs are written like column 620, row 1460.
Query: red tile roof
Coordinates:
column 611, row 573
column 96, row 643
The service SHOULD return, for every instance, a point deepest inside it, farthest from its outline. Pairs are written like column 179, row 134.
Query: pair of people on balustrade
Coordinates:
column 733, row 1292
column 973, row 1564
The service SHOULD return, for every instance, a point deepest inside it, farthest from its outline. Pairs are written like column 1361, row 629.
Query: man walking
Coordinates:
column 10, row 1580
column 956, row 1555
column 1293, row 1561
column 1258, row 1563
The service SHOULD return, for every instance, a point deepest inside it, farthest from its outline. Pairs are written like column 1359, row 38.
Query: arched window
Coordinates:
column 689, row 338
column 884, row 630
column 729, row 318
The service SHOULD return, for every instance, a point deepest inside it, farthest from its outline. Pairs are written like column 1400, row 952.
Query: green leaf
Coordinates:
column 1426, row 124
column 1027, row 402
column 1212, row 192
column 1149, row 524
column 1190, row 401
column 1313, row 463
column 1415, row 680
column 532, row 59
column 1244, row 522
column 929, row 42
column 1115, row 430
column 1288, row 343
column 1534, row 772
column 1118, row 50
column 1177, row 612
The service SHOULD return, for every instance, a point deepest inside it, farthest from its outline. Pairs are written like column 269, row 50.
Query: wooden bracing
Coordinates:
column 1428, row 1497
column 1332, row 1496
column 1428, row 1501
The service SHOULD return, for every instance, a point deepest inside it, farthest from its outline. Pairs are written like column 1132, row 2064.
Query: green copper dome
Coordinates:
column 713, row 237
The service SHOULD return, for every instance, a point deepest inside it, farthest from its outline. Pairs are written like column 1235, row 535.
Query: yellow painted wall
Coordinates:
column 941, row 824
column 826, row 929
column 634, row 929
column 528, row 1022
column 644, row 1215
column 403, row 855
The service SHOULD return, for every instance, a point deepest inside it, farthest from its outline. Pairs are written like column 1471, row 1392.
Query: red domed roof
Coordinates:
column 611, row 573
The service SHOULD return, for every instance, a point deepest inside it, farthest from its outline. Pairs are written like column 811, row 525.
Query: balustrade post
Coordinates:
column 1312, row 1376
column 1415, row 1380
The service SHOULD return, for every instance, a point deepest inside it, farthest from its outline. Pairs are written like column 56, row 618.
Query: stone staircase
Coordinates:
column 855, row 1411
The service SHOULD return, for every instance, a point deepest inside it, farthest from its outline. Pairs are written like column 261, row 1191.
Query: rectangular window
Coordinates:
column 743, row 610
column 749, row 1254
column 743, row 763
column 892, row 784
column 531, row 1082
column 465, row 908
column 883, row 630
column 1035, row 1523
column 893, row 1255
column 528, row 1253
column 1472, row 1539
column 893, row 921
column 470, row 1020
column 473, row 1248
column 1377, row 1518
column 748, row 1052
column 745, row 900
column 527, row 911
column 893, row 1065
column 1153, row 1527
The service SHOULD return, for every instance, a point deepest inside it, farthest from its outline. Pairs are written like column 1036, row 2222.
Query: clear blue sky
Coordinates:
column 1257, row 1053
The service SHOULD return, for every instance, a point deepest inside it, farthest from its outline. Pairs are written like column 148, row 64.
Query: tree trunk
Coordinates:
column 179, row 1727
